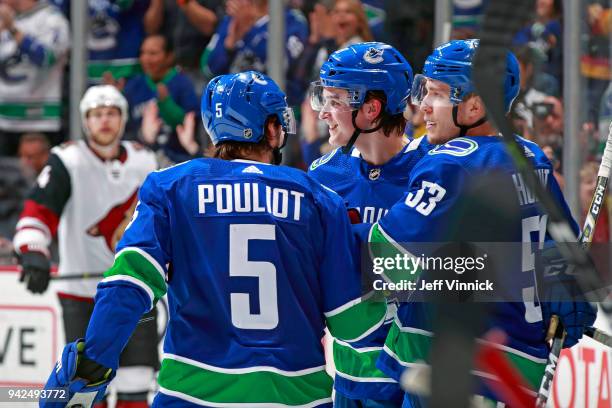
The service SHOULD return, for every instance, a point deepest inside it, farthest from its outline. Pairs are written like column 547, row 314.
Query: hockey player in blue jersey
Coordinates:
column 241, row 248
column 469, row 146
column 361, row 96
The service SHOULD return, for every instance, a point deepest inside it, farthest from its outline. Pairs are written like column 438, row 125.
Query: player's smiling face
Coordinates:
column 104, row 124
column 438, row 112
column 337, row 114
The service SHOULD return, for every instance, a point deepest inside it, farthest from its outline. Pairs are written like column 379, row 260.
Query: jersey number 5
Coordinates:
column 535, row 225
column 239, row 265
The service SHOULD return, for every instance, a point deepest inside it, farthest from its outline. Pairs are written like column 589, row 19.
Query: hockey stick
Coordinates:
column 603, row 176
column 551, row 363
column 500, row 24
column 586, row 237
column 96, row 275
column 599, row 336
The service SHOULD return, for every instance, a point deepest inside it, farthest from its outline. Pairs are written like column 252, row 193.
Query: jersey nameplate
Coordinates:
column 457, row 147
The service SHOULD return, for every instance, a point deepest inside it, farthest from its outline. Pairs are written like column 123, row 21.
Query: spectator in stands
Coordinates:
column 588, row 182
column 240, row 43
column 467, row 17
column 13, row 190
column 544, row 36
column 330, row 29
column 188, row 24
column 595, row 62
column 548, row 123
column 116, row 31
column 535, row 86
column 556, row 165
column 33, row 153
column 164, row 94
column 409, row 27
column 34, row 41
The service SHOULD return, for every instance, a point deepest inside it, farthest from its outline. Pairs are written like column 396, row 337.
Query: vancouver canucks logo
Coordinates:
column 373, row 55
column 374, row 174
column 259, row 79
column 248, row 133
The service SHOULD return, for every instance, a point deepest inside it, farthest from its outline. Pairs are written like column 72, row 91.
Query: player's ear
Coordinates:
column 372, row 108
column 475, row 107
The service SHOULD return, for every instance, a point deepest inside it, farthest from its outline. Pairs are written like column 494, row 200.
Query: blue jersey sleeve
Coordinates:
column 136, row 280
column 433, row 190
column 216, row 59
column 350, row 316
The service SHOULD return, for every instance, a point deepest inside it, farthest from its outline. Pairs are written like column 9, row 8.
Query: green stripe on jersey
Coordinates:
column 130, row 262
column 118, row 69
column 30, row 110
column 357, row 363
column 383, row 246
column 352, row 321
column 257, row 387
column 413, row 345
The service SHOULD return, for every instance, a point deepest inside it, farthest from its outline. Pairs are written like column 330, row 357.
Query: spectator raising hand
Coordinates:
column 7, row 17
column 244, row 15
column 171, row 92
column 186, row 134
column 240, row 44
column 321, row 27
column 34, row 41
column 108, row 79
column 151, row 123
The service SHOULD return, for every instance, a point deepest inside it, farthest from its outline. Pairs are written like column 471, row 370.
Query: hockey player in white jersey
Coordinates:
column 85, row 196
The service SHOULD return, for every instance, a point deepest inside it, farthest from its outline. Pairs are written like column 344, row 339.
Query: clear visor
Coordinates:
column 430, row 92
column 326, row 99
column 289, row 123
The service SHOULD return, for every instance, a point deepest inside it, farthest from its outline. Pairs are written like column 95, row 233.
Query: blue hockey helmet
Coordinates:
column 451, row 63
column 362, row 67
column 235, row 107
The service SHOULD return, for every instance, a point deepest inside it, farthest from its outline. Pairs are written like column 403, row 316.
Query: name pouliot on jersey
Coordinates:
column 249, row 197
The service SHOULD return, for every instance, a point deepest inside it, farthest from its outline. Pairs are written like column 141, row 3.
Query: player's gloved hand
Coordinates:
column 354, row 215
column 35, row 271
column 563, row 297
column 84, row 380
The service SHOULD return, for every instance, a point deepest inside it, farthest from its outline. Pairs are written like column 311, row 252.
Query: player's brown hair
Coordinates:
column 230, row 150
column 390, row 123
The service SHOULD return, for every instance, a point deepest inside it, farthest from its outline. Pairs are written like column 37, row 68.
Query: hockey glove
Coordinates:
column 563, row 297
column 35, row 271
column 83, row 380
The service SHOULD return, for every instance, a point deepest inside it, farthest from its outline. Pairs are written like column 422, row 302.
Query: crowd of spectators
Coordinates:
column 160, row 53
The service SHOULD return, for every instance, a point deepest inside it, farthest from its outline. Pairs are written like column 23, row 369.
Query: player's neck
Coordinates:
column 262, row 156
column 108, row 152
column 377, row 149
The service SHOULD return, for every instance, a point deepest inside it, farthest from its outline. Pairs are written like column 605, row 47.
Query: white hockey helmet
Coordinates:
column 103, row 95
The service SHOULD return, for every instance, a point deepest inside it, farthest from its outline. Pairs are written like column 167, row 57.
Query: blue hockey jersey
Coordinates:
column 372, row 190
column 436, row 185
column 251, row 52
column 242, row 249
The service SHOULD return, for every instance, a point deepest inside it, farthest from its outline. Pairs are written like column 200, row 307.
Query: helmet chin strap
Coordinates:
column 464, row 128
column 347, row 148
column 277, row 155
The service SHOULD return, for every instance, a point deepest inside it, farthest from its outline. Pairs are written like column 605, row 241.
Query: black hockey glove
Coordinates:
column 35, row 271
